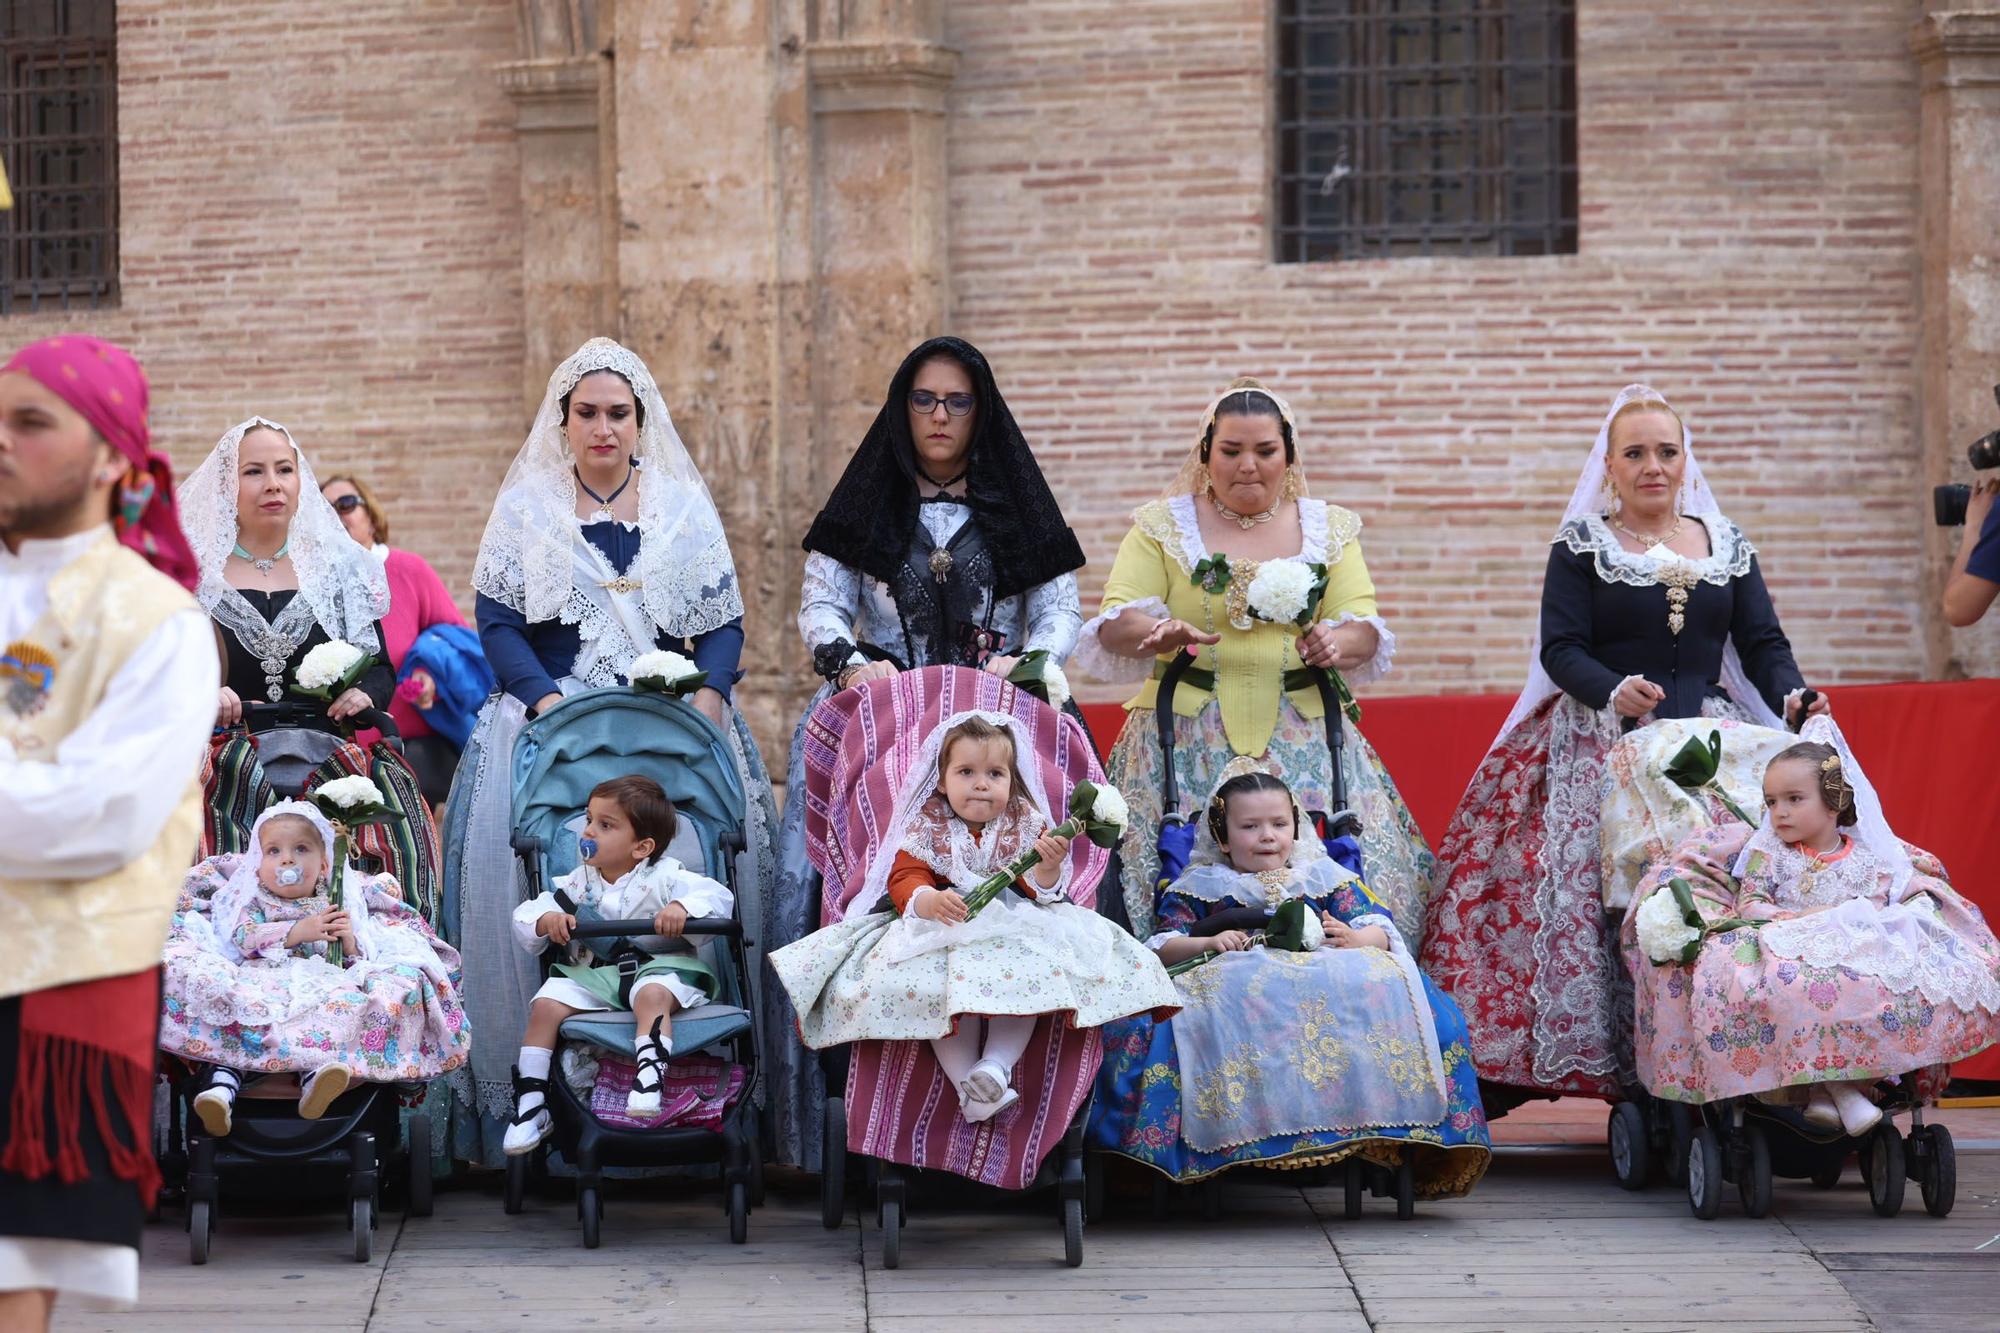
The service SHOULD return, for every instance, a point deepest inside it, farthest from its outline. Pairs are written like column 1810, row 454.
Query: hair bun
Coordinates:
column 1247, row 382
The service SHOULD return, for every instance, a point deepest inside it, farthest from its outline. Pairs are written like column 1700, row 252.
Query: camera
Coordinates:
column 1948, row 502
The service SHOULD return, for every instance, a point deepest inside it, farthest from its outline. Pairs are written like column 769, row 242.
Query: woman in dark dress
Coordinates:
column 279, row 574
column 1653, row 607
column 941, row 545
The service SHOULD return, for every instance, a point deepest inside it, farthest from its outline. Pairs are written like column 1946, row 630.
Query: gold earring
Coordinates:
column 1292, row 484
column 1203, row 483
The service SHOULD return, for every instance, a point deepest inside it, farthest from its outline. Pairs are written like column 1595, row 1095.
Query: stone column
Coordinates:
column 569, row 260
column 1958, row 62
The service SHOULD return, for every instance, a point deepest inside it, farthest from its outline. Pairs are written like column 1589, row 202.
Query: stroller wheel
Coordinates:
column 590, row 1210
column 833, row 1165
column 892, row 1234
column 739, row 1212
column 361, row 1219
column 1888, row 1169
column 201, row 1230
column 418, row 1202
column 517, row 1183
column 1406, row 1187
column 1753, row 1181
column 1704, row 1174
column 1351, row 1189
column 1073, row 1232
column 1625, row 1137
column 1827, row 1174
column 1939, row 1178
column 1680, row 1129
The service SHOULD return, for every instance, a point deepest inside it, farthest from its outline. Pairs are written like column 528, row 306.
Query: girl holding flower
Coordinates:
column 1239, row 567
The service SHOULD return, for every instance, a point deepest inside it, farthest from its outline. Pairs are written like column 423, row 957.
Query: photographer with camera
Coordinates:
column 1975, row 574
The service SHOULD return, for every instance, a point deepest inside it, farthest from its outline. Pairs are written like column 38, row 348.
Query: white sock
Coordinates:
column 1006, row 1039
column 959, row 1052
column 533, row 1062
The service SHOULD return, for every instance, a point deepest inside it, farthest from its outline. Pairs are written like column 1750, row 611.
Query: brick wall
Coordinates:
column 1748, row 246
column 320, row 217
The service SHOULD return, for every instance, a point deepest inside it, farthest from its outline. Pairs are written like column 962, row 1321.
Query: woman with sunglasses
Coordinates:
column 418, row 600
column 940, row 545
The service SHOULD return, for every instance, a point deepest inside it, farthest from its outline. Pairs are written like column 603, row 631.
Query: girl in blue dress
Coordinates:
column 1283, row 1058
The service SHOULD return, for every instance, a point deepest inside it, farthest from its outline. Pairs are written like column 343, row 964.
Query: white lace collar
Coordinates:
column 1324, row 530
column 1729, row 552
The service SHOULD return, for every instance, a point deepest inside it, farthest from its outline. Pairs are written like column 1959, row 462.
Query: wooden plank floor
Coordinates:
column 1547, row 1242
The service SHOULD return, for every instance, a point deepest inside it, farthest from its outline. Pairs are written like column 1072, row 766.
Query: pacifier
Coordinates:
column 586, row 848
column 290, row 875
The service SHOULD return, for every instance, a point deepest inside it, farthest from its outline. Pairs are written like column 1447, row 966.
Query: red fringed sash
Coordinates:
column 86, row 1049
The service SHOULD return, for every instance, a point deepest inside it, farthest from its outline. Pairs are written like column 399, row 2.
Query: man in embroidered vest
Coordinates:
column 108, row 674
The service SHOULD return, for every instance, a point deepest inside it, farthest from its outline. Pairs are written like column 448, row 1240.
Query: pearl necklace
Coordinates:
column 1243, row 521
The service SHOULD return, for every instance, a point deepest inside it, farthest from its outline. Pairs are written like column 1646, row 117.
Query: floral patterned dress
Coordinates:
column 1294, row 1059
column 394, row 1018
column 1837, row 983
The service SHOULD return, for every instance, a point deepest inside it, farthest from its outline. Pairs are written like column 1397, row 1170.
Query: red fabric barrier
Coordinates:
column 1932, row 750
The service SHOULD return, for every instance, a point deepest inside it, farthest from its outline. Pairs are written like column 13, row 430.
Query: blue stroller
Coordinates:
column 582, row 741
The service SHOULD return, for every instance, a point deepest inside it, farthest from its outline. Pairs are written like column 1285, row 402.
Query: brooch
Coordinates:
column 623, row 584
column 27, row 670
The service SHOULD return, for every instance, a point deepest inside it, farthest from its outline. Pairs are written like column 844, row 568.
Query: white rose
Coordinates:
column 1278, row 593
column 351, row 792
column 1055, row 682
column 660, row 665
column 328, row 664
column 1662, row 933
column 1110, row 808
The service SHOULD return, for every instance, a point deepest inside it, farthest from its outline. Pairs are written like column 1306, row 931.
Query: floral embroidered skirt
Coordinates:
column 388, row 1021
column 1396, row 860
column 1301, row 1040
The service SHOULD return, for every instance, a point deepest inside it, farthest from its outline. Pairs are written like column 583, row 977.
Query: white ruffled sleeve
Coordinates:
column 1098, row 662
column 1377, row 666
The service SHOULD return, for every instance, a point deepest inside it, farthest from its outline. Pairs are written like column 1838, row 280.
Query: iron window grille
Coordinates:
column 1426, row 127
column 59, row 135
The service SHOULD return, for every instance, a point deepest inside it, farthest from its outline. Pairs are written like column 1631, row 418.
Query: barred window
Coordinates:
column 59, row 138
column 1426, row 127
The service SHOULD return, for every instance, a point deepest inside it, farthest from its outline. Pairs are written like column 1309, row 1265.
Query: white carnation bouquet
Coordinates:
column 1671, row 928
column 1287, row 592
column 1097, row 812
column 1042, row 676
column 348, row 803
column 331, row 669
column 666, row 672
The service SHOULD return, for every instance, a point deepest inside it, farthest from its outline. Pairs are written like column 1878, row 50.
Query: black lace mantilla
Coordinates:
column 870, row 520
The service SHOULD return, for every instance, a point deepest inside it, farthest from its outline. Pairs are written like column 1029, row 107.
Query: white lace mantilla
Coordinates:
column 1729, row 557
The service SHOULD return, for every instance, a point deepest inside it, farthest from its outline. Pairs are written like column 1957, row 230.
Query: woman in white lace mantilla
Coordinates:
column 1653, row 608
column 940, row 545
column 604, row 544
column 279, row 574
column 1863, row 963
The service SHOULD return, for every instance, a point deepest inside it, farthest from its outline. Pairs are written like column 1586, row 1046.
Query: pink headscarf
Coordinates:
column 104, row 383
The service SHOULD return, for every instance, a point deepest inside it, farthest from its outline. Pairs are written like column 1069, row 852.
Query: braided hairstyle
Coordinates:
column 1833, row 786
column 1242, row 785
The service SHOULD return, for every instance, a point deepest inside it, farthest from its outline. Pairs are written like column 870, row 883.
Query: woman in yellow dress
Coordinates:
column 1228, row 566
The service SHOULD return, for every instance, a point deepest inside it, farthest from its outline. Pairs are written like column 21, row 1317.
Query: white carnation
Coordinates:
column 660, row 665
column 1278, row 593
column 1312, row 930
column 327, row 665
column 1055, row 682
column 351, row 792
column 1662, row 933
column 1110, row 808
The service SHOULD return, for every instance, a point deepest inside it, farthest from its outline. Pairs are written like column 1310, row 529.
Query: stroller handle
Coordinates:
column 700, row 925
column 264, row 717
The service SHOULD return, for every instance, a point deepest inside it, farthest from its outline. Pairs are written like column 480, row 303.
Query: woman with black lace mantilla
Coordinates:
column 940, row 545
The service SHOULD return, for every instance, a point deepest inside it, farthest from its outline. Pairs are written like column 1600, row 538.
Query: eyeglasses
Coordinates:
column 955, row 404
column 347, row 504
